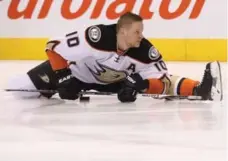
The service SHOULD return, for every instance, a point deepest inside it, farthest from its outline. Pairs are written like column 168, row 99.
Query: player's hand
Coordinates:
column 67, row 85
column 127, row 94
column 131, row 86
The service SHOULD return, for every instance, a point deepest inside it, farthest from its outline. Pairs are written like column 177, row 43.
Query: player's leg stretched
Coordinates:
column 209, row 88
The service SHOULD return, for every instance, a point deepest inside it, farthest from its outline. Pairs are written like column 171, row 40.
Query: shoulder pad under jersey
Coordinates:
column 102, row 37
column 145, row 53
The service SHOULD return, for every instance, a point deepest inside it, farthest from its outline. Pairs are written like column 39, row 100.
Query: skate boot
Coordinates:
column 210, row 87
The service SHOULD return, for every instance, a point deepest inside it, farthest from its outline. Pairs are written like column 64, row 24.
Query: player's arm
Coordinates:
column 132, row 85
column 70, row 48
column 145, row 81
column 67, row 85
column 76, row 47
column 56, row 60
column 151, row 78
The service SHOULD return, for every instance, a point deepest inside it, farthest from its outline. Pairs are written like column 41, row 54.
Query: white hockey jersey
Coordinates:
column 93, row 58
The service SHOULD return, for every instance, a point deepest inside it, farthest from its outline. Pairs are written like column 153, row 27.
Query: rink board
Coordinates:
column 171, row 49
column 189, row 30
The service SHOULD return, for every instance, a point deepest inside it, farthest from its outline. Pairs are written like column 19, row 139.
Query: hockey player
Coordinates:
column 114, row 58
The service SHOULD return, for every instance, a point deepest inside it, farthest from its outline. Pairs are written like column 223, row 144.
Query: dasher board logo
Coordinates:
column 31, row 9
column 94, row 33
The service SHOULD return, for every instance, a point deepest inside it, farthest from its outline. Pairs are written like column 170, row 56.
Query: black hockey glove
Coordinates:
column 68, row 86
column 131, row 86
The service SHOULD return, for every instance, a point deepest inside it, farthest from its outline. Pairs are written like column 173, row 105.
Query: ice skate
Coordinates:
column 210, row 87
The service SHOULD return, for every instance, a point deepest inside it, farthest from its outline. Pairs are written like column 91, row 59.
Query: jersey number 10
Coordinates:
column 160, row 65
column 72, row 39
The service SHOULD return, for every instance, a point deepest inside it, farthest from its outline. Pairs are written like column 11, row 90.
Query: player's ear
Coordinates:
column 124, row 31
column 121, row 30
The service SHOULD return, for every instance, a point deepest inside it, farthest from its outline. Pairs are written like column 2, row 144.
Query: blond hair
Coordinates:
column 127, row 19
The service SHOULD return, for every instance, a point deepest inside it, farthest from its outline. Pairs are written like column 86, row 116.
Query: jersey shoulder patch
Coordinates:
column 94, row 33
column 145, row 53
column 101, row 37
column 154, row 54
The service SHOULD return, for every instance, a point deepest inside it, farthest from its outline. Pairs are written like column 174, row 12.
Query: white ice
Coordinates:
column 106, row 130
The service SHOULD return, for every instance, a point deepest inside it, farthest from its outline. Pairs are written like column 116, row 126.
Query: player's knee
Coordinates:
column 22, row 82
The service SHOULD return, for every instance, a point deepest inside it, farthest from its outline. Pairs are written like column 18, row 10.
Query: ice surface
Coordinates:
column 106, row 130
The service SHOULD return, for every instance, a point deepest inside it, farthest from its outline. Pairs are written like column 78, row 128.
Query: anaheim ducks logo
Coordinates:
column 107, row 75
column 44, row 78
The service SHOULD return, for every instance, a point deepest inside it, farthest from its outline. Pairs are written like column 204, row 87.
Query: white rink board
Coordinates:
column 211, row 23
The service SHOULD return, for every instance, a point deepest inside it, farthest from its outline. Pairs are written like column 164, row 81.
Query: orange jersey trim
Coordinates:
column 57, row 62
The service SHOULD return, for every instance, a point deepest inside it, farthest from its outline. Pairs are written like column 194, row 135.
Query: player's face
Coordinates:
column 134, row 34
